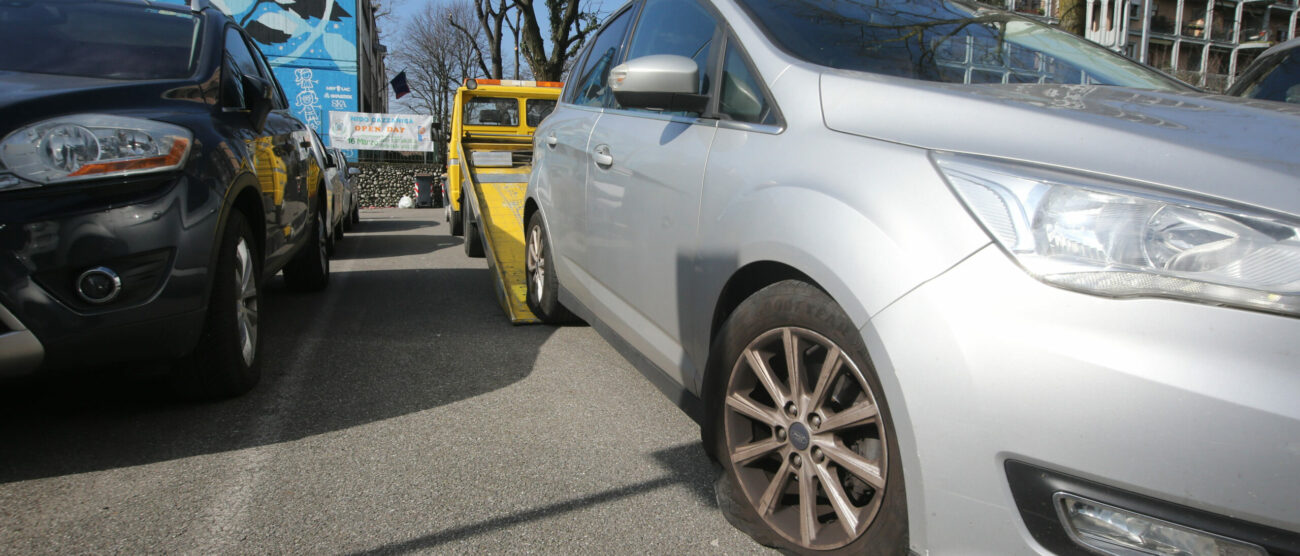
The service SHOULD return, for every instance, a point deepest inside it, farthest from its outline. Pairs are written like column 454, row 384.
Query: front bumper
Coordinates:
column 160, row 242
column 1189, row 404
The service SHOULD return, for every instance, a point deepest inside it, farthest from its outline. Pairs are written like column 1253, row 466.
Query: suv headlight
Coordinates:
column 1119, row 240
column 88, row 146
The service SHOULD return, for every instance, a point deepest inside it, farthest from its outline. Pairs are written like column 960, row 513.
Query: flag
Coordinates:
column 399, row 85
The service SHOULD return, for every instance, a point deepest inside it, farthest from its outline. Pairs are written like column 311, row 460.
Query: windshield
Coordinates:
column 943, row 40
column 492, row 111
column 97, row 40
column 1274, row 78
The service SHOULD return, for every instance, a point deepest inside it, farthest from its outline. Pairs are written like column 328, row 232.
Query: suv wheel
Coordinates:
column 227, row 360
column 543, row 286
column 310, row 268
column 802, row 429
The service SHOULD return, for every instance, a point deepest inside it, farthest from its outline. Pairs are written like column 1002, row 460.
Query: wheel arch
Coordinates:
column 530, row 207
column 244, row 196
column 752, row 277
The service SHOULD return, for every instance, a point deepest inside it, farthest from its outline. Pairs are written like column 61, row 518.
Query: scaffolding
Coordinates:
column 1204, row 42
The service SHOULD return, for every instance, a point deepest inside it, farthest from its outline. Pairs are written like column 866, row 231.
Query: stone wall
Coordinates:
column 382, row 184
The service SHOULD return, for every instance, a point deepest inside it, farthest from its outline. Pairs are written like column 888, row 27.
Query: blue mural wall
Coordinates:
column 312, row 47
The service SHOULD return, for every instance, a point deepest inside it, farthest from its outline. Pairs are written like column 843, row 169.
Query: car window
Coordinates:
column 944, row 40
column 98, row 40
column 239, row 53
column 741, row 96
column 538, row 110
column 491, row 111
column 239, row 62
column 1277, row 78
column 679, row 27
column 592, row 87
column 278, row 99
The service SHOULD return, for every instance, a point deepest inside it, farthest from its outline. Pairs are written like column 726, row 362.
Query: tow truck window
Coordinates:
column 492, row 111
column 538, row 110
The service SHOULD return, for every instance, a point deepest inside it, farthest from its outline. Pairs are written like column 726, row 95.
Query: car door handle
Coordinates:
column 602, row 157
column 552, row 140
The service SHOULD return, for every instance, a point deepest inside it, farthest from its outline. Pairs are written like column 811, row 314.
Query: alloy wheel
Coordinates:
column 246, row 300
column 535, row 262
column 804, row 438
column 322, row 242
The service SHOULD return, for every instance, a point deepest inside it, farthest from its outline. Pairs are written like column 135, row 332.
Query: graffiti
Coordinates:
column 312, row 48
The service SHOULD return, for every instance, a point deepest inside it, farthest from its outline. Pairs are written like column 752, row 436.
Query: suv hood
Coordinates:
column 31, row 97
column 1234, row 149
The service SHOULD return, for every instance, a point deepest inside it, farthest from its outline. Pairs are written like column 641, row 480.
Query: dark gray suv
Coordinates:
column 152, row 177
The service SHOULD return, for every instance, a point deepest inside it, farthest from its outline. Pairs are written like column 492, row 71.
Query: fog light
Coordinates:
column 99, row 285
column 1111, row 530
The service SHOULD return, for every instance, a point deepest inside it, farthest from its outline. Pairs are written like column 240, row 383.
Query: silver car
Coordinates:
column 936, row 277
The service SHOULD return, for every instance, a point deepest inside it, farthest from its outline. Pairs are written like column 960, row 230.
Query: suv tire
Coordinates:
column 310, row 268
column 829, row 432
column 539, row 272
column 227, row 360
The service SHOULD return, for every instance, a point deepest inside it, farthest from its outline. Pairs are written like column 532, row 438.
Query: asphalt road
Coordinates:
column 399, row 412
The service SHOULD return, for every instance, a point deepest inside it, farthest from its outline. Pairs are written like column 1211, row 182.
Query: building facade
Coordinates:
column 325, row 53
column 1204, row 42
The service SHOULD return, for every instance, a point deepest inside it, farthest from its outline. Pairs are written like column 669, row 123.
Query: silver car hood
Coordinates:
column 1242, row 150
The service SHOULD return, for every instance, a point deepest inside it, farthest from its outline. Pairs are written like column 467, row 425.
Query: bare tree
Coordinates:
column 570, row 23
column 1073, row 15
column 491, row 20
column 437, row 57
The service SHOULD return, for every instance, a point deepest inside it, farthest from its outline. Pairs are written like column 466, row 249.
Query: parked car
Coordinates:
column 352, row 197
column 1274, row 75
column 152, row 178
column 335, row 195
column 935, row 277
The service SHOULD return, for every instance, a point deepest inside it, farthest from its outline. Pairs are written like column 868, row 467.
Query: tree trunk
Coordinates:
column 1072, row 14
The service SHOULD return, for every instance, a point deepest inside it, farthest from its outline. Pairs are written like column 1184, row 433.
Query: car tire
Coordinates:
column 827, row 443
column 227, row 360
column 356, row 215
column 309, row 270
column 539, row 272
column 473, row 233
column 340, row 232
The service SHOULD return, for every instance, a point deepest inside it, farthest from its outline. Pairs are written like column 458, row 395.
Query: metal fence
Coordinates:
column 399, row 157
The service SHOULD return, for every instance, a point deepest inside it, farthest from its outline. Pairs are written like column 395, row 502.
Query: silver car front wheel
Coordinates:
column 803, row 433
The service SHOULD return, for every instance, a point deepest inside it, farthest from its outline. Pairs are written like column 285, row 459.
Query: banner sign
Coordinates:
column 382, row 132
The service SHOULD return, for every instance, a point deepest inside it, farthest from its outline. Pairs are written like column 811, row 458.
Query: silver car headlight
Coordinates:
column 1119, row 240
column 89, row 146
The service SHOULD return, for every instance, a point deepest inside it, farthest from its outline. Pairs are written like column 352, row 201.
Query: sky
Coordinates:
column 390, row 30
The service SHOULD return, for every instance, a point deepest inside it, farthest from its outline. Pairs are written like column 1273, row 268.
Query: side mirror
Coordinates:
column 658, row 82
column 354, row 172
column 257, row 97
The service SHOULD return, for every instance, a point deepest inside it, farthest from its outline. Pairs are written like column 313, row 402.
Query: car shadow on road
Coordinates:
column 393, row 245
column 371, row 224
column 375, row 345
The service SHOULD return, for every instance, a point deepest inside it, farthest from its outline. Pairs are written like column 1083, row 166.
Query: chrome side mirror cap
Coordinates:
column 658, row 82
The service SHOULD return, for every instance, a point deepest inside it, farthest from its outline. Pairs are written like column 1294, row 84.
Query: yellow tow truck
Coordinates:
column 488, row 161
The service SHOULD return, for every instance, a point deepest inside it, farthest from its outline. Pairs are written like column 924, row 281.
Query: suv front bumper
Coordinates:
column 159, row 242
column 1189, row 404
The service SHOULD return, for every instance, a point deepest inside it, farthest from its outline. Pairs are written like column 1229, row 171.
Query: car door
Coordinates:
column 276, row 150
column 643, row 192
column 561, row 157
